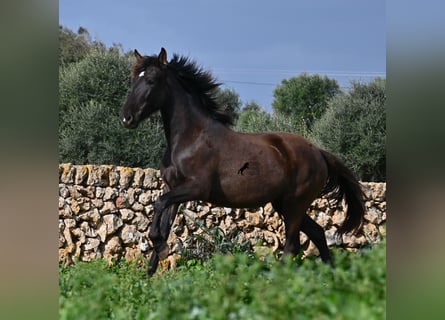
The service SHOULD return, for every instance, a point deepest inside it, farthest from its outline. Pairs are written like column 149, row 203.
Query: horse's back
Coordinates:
column 307, row 166
column 293, row 147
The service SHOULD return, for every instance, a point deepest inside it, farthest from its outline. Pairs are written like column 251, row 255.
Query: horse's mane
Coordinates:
column 200, row 81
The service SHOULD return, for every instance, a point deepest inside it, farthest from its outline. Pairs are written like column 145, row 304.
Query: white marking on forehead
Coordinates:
column 142, row 74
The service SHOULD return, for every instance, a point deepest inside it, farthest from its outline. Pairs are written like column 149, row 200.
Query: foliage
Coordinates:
column 100, row 76
column 75, row 46
column 229, row 99
column 91, row 134
column 354, row 128
column 237, row 286
column 253, row 118
column 72, row 46
column 305, row 97
column 199, row 247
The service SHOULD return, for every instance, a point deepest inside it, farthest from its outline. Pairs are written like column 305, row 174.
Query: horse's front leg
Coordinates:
column 159, row 233
column 160, row 248
column 165, row 210
column 156, row 235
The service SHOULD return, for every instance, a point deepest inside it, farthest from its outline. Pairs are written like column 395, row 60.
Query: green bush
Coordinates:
column 229, row 100
column 238, row 286
column 91, row 134
column 354, row 128
column 304, row 97
column 102, row 76
column 253, row 118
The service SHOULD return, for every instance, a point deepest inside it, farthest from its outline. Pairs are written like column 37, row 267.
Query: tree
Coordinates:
column 229, row 99
column 74, row 47
column 91, row 134
column 100, row 76
column 253, row 118
column 354, row 128
column 304, row 97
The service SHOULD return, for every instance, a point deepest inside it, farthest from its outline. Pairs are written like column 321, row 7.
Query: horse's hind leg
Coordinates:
column 293, row 214
column 296, row 220
column 316, row 234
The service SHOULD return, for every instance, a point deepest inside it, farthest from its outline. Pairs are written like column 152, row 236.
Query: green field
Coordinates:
column 231, row 286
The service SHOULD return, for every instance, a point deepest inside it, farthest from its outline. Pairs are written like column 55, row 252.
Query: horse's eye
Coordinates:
column 142, row 74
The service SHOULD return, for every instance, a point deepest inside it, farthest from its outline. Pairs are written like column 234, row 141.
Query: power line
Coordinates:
column 338, row 73
column 266, row 83
column 334, row 74
column 251, row 82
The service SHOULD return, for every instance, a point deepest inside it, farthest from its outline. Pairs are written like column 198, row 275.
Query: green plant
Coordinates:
column 304, row 98
column 202, row 246
column 354, row 128
column 255, row 119
column 101, row 76
column 230, row 286
column 92, row 134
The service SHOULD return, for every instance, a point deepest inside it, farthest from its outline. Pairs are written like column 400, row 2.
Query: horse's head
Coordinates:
column 147, row 92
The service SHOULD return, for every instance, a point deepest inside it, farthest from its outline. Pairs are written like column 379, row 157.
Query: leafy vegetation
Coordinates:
column 305, row 97
column 100, row 76
column 231, row 286
column 253, row 118
column 354, row 128
column 91, row 134
column 74, row 46
column 229, row 100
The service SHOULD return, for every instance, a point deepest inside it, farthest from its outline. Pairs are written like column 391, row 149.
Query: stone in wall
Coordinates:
column 66, row 172
column 113, row 249
column 81, row 175
column 130, row 234
column 99, row 176
column 126, row 177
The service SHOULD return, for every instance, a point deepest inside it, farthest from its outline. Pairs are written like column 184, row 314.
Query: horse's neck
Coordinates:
column 183, row 122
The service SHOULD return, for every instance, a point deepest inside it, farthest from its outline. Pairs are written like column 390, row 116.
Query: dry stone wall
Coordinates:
column 106, row 212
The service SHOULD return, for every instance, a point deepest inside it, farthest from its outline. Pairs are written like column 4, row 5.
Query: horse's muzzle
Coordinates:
column 128, row 121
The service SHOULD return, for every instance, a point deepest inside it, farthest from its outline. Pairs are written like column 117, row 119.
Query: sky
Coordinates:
column 250, row 46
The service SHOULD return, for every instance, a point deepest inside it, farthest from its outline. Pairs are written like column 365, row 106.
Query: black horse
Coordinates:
column 206, row 160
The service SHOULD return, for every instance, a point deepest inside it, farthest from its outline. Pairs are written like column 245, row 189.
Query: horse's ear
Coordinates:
column 137, row 55
column 162, row 57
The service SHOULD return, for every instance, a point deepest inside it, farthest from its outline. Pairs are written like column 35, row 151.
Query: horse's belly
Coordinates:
column 247, row 191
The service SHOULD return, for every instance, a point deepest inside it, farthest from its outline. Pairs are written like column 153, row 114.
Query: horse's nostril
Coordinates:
column 127, row 120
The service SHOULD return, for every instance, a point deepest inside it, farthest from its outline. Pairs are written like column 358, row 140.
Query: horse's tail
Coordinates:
column 343, row 184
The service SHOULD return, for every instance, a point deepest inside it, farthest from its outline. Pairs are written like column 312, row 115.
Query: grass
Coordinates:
column 230, row 286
